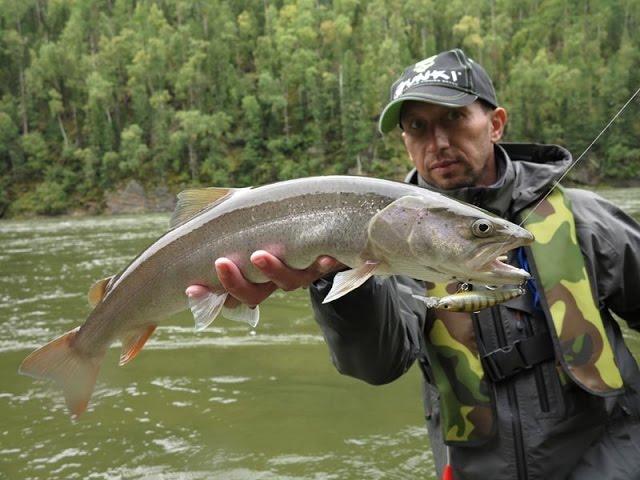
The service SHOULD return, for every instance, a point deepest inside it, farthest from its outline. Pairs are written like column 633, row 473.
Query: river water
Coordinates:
column 227, row 403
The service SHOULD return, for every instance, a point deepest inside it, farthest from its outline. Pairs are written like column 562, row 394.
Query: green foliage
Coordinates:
column 49, row 198
column 93, row 93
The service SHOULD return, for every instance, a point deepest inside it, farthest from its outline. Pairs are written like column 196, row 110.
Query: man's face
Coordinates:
column 452, row 147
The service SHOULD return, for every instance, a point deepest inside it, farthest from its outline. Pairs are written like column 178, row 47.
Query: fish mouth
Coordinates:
column 496, row 270
column 498, row 266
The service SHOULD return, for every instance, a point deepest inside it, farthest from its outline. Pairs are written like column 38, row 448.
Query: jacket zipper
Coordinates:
column 543, row 394
column 521, row 462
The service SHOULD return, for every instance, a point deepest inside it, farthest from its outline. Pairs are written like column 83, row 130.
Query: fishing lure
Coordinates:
column 471, row 301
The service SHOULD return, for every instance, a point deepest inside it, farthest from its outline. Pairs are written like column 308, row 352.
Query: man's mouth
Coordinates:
column 442, row 164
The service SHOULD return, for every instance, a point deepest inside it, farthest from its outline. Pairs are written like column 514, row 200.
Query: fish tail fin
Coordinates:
column 74, row 372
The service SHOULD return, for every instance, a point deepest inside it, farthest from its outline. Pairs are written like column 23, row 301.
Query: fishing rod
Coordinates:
column 447, row 473
column 464, row 286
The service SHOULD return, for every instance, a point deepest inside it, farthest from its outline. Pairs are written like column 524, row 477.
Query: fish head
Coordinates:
column 447, row 240
column 469, row 244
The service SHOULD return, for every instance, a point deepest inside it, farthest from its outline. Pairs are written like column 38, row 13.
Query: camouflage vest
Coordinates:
column 580, row 341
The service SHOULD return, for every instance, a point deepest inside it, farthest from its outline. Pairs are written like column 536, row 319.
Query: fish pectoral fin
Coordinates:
column 430, row 302
column 243, row 313
column 349, row 280
column 98, row 290
column 133, row 343
column 74, row 372
column 206, row 308
column 194, row 200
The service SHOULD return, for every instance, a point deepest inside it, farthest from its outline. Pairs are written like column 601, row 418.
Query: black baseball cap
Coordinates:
column 449, row 78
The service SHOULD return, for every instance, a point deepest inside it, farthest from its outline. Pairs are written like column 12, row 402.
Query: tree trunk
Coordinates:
column 78, row 132
column 62, row 130
column 23, row 89
column 23, row 103
column 286, row 112
column 193, row 162
column 341, row 99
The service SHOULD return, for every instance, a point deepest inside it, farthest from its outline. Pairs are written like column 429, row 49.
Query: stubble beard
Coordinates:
column 455, row 180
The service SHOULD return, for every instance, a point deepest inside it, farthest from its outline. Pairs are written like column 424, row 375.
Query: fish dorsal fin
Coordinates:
column 98, row 290
column 194, row 200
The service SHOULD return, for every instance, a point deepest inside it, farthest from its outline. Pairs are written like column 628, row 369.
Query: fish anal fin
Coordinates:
column 132, row 343
column 194, row 200
column 74, row 372
column 349, row 280
column 98, row 290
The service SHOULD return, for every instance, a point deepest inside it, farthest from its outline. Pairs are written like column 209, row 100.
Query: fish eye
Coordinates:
column 482, row 228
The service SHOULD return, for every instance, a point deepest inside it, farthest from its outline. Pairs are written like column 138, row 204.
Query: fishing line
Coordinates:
column 580, row 157
column 564, row 174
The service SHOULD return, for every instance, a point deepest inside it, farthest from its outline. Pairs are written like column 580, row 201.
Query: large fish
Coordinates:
column 373, row 226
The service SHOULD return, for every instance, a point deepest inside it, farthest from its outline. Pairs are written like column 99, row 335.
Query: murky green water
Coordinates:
column 227, row 403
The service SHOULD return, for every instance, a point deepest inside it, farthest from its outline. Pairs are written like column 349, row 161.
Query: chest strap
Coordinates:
column 521, row 355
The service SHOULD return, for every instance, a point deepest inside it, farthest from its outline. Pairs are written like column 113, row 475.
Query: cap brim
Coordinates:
column 438, row 95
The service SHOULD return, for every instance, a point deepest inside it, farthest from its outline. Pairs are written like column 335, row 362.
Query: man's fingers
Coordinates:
column 288, row 278
column 326, row 264
column 274, row 269
column 196, row 291
column 239, row 287
column 243, row 291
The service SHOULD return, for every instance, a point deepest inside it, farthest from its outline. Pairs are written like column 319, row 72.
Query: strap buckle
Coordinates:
column 505, row 362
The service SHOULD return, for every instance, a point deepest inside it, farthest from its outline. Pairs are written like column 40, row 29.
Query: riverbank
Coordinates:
column 135, row 198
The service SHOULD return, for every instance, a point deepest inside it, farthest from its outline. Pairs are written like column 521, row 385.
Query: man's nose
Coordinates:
column 437, row 138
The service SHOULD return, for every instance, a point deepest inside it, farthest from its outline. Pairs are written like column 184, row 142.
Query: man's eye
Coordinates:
column 416, row 124
column 454, row 115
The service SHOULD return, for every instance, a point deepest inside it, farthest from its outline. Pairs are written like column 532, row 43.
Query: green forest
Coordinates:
column 94, row 93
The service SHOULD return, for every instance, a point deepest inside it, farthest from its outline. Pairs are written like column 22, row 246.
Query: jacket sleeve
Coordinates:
column 373, row 332
column 610, row 239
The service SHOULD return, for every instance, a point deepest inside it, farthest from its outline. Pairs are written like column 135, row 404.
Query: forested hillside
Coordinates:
column 178, row 92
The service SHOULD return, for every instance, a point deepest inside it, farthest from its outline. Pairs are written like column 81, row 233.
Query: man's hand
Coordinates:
column 280, row 276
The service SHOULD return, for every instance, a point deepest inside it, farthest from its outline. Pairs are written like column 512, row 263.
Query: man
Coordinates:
column 539, row 387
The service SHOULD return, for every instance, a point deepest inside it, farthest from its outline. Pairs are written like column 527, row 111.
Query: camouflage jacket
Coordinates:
column 376, row 332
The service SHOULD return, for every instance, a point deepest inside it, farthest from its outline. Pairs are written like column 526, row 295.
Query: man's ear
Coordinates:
column 498, row 120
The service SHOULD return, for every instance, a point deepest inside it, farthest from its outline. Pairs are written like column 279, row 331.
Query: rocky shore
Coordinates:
column 134, row 198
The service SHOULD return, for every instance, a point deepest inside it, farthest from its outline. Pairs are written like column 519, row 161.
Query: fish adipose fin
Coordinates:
column 243, row 313
column 349, row 280
column 194, row 200
column 206, row 308
column 133, row 343
column 98, row 291
column 74, row 372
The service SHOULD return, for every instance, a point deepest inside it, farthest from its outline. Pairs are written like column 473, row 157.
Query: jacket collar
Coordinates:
column 525, row 172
